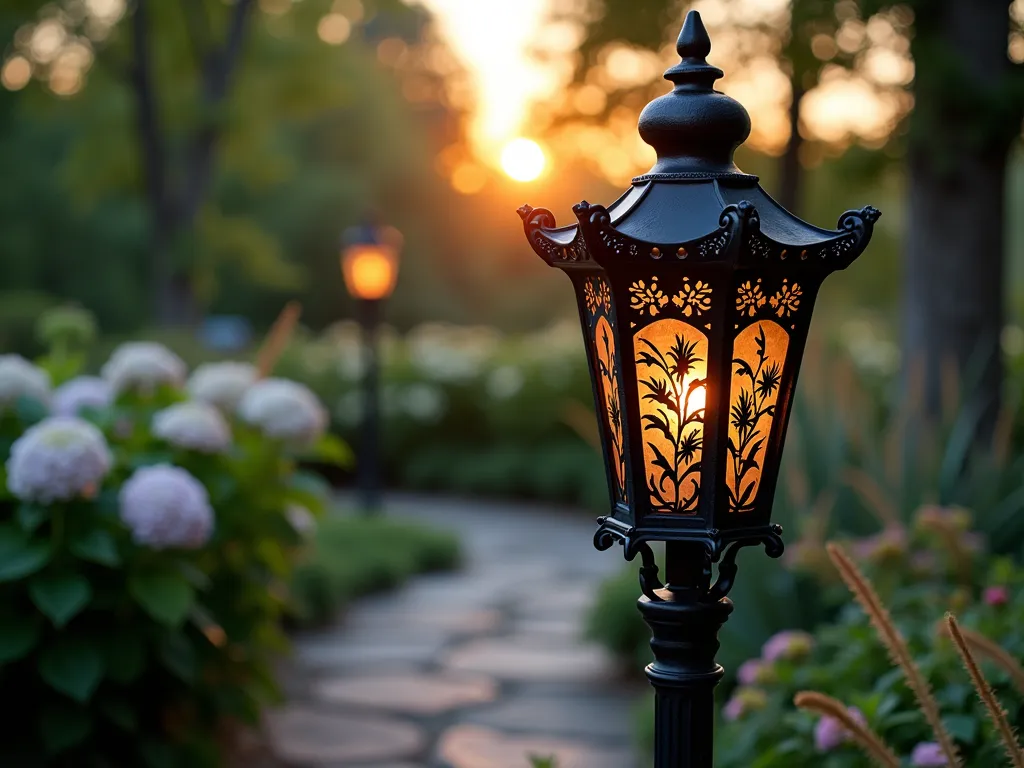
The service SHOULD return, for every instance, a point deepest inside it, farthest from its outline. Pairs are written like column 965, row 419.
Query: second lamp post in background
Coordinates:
column 369, row 263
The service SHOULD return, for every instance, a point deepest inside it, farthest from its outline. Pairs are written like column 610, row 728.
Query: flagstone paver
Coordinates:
column 473, row 669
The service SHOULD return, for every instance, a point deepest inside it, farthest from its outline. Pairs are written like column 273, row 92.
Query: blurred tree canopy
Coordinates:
column 208, row 159
column 968, row 97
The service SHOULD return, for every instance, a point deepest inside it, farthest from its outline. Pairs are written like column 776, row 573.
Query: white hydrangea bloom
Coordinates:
column 195, row 426
column 284, row 410
column 81, row 392
column 301, row 519
column 143, row 366
column 505, row 382
column 165, row 506
column 58, row 459
column 221, row 384
column 20, row 378
column 424, row 402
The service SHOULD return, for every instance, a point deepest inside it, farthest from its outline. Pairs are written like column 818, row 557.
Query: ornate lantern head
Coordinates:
column 369, row 261
column 695, row 291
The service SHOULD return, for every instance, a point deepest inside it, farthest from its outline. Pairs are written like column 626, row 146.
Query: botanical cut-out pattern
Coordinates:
column 786, row 301
column 671, row 366
column 590, row 297
column 759, row 356
column 645, row 297
column 607, row 369
column 693, row 299
column 750, row 297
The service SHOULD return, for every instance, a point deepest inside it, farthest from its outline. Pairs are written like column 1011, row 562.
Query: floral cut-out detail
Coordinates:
column 647, row 298
column 693, row 299
column 590, row 298
column 787, row 300
column 750, row 298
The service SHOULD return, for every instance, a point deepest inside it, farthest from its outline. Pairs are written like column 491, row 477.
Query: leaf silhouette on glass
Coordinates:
column 671, row 359
column 604, row 341
column 757, row 378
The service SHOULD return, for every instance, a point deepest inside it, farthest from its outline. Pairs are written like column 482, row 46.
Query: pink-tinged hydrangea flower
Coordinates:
column 744, row 701
column 996, row 595
column 221, row 384
column 194, row 426
column 284, row 410
column 755, row 672
column 81, row 393
column 789, row 644
column 20, row 378
column 143, row 366
column 933, row 516
column 60, row 458
column 928, row 754
column 165, row 506
column 829, row 733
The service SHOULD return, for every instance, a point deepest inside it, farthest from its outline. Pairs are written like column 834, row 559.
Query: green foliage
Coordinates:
column 125, row 654
column 467, row 410
column 849, row 663
column 355, row 556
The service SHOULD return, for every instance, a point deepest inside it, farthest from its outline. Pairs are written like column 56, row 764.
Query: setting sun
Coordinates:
column 523, row 159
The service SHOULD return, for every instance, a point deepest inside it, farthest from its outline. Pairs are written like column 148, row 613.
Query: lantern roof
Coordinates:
column 694, row 200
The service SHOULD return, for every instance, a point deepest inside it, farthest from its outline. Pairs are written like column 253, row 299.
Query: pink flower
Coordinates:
column 996, row 595
column 754, row 671
column 928, row 754
column 788, row 644
column 744, row 700
column 829, row 733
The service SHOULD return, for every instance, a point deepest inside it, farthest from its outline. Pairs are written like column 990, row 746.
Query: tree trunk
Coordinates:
column 790, row 169
column 954, row 263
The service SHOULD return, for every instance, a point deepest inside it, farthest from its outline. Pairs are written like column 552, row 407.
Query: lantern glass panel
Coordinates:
column 671, row 371
column 759, row 356
column 599, row 330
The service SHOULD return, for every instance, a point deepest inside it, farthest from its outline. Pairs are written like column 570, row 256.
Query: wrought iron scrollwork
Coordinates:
column 610, row 531
column 712, row 549
column 727, row 568
column 535, row 222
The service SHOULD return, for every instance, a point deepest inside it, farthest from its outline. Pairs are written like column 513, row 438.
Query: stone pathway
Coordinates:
column 474, row 669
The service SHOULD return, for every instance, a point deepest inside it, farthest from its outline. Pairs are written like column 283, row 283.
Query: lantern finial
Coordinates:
column 695, row 129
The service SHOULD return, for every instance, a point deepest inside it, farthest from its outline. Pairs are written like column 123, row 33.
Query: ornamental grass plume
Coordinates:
column 894, row 642
column 868, row 740
column 873, row 497
column 995, row 653
column 278, row 338
column 996, row 712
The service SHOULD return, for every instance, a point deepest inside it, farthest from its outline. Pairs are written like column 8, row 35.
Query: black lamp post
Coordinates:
column 695, row 291
column 369, row 263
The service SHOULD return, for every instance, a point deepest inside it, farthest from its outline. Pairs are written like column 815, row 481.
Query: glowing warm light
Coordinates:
column 523, row 159
column 16, row 73
column 370, row 271
column 334, row 29
column 468, row 178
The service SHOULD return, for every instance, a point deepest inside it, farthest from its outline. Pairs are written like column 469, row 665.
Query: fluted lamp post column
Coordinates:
column 695, row 291
column 369, row 264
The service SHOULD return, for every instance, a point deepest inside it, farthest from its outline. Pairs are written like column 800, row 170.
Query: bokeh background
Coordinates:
column 181, row 170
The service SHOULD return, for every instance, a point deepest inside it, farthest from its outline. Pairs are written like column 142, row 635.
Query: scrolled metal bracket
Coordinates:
column 610, row 531
column 727, row 568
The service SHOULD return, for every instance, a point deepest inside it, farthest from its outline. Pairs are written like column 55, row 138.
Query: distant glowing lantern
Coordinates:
column 369, row 261
column 695, row 290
